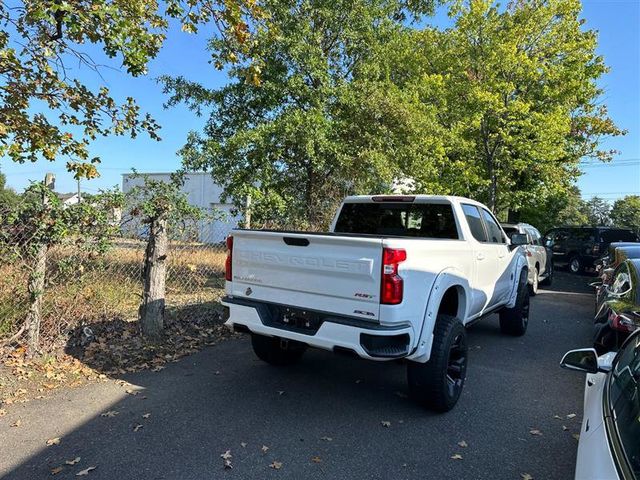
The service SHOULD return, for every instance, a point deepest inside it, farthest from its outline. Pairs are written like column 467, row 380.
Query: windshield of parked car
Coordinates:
column 625, row 401
column 616, row 235
column 429, row 220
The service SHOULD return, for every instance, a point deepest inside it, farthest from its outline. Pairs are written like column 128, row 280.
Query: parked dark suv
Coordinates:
column 579, row 247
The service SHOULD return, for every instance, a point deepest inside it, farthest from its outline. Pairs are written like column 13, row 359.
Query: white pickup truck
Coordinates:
column 396, row 277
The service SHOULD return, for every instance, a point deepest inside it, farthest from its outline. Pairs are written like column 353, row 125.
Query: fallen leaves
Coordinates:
column 53, row 441
column 3, row 412
column 110, row 413
column 386, row 423
column 571, row 415
column 564, row 428
column 456, row 456
column 137, row 427
column 526, row 476
column 326, row 439
column 535, row 432
column 129, row 391
column 72, row 462
column 17, row 423
column 463, row 444
column 264, row 449
column 316, row 459
column 146, row 415
column 84, row 472
column 56, row 470
column 226, row 459
column 276, row 465
column 576, row 436
column 243, row 444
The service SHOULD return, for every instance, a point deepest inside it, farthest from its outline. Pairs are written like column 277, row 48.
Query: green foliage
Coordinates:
column 626, row 212
column 8, row 197
column 349, row 98
column 46, row 112
column 322, row 119
column 556, row 210
column 597, row 210
column 155, row 200
column 519, row 97
column 41, row 219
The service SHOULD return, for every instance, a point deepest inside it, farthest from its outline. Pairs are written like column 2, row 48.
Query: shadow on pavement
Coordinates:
column 321, row 418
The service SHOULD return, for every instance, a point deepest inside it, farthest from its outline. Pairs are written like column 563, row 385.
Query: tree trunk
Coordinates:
column 155, row 273
column 493, row 192
column 36, row 291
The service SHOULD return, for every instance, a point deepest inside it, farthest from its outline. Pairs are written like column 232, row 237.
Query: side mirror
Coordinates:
column 518, row 239
column 583, row 360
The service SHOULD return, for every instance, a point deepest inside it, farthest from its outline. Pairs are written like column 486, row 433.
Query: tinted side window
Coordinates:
column 472, row 214
column 495, row 233
column 622, row 280
column 624, row 394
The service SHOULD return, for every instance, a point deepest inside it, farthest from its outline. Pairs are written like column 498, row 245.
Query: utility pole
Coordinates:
column 79, row 194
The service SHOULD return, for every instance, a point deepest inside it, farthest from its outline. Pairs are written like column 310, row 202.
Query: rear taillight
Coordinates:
column 227, row 263
column 392, row 283
column 622, row 323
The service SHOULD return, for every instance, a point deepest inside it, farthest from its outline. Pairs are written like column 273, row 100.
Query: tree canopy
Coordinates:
column 46, row 112
column 500, row 107
column 318, row 123
column 8, row 197
column 519, row 98
column 626, row 212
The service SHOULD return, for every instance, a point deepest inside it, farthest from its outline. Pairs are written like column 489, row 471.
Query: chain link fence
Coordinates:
column 83, row 288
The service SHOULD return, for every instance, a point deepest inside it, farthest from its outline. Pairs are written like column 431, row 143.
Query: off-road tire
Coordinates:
column 276, row 351
column 514, row 320
column 437, row 384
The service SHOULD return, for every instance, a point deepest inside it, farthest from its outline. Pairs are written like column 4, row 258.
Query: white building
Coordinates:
column 68, row 199
column 201, row 192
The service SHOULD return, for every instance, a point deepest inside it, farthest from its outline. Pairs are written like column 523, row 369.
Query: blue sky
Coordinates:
column 619, row 42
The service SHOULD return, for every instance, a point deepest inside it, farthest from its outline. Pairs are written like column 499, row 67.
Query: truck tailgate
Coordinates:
column 328, row 273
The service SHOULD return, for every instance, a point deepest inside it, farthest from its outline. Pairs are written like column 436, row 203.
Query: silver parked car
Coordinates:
column 539, row 258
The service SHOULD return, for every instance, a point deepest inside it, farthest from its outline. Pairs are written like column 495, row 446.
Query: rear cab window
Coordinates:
column 510, row 231
column 424, row 220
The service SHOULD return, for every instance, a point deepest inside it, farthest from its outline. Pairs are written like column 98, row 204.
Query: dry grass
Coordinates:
column 82, row 289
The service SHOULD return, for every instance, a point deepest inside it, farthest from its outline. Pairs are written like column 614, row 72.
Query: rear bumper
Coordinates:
column 339, row 334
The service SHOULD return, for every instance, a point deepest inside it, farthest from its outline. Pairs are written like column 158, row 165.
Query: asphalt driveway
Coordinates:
column 322, row 418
